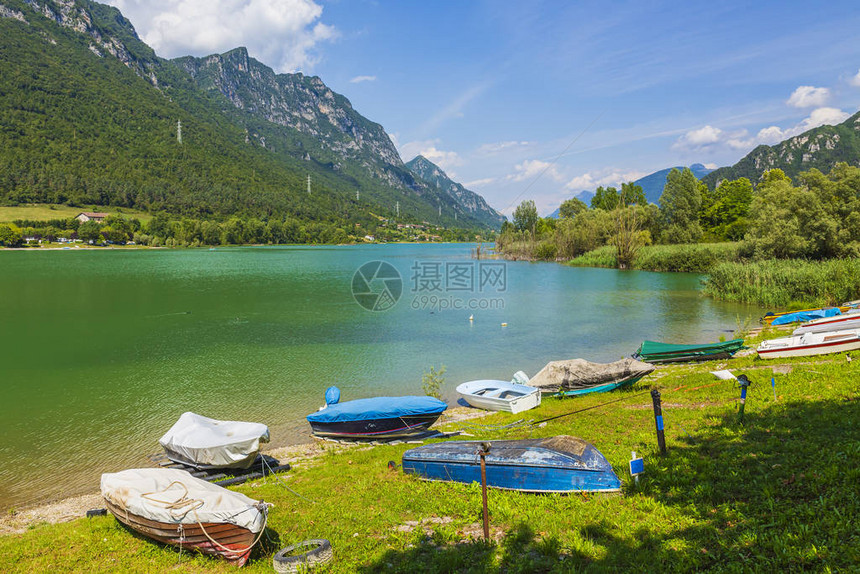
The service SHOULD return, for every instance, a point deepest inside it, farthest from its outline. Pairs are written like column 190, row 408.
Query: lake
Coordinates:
column 102, row 350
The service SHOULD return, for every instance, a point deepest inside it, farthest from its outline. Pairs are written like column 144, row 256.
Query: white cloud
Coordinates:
column 607, row 177
column 710, row 165
column 534, row 168
column 855, row 80
column 282, row 34
column 359, row 79
column 447, row 160
column 493, row 148
column 454, row 109
column 774, row 134
column 700, row 138
column 808, row 97
column 479, row 182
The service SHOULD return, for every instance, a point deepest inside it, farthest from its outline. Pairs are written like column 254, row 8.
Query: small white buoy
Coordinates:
column 471, row 317
column 504, row 324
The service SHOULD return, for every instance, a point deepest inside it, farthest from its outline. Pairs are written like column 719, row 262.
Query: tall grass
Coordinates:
column 693, row 258
column 778, row 283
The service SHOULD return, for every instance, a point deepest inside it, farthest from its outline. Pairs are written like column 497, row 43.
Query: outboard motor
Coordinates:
column 332, row 396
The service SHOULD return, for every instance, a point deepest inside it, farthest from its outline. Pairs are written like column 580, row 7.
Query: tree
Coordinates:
column 680, row 204
column 726, row 217
column 90, row 232
column 571, row 208
column 9, row 236
column 605, row 199
column 526, row 216
column 632, row 194
column 629, row 220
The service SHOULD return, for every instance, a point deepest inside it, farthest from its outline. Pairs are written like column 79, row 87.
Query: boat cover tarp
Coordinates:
column 173, row 496
column 579, row 374
column 208, row 442
column 653, row 350
column 378, row 408
column 806, row 316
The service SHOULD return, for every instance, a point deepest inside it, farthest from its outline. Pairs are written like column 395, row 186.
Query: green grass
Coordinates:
column 778, row 494
column 600, row 257
column 783, row 283
column 46, row 212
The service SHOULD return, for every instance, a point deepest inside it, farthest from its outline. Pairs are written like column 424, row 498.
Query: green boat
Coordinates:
column 655, row 352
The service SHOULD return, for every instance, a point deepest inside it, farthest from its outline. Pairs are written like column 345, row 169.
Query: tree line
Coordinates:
column 815, row 217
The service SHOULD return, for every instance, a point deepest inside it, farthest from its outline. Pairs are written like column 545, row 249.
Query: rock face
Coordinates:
column 820, row 148
column 108, row 29
column 470, row 201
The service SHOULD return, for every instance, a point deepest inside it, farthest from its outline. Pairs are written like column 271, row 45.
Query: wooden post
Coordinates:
column 658, row 420
column 482, row 451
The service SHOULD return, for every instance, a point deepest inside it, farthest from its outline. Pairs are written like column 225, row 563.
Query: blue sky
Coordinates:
column 540, row 100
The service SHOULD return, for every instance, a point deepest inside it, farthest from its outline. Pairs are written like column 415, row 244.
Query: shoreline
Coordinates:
column 18, row 521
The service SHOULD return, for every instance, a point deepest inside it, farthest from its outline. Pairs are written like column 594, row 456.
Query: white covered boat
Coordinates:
column 810, row 344
column 845, row 321
column 206, row 443
column 173, row 507
column 500, row 395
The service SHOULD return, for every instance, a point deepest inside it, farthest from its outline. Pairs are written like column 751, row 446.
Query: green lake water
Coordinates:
column 102, row 350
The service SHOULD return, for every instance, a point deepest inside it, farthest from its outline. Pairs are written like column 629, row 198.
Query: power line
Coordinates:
column 552, row 163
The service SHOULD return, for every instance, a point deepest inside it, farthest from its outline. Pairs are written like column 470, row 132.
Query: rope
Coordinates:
column 284, row 484
column 194, row 504
column 265, row 512
column 590, row 408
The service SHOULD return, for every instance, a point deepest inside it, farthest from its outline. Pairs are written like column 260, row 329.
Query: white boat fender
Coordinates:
column 520, row 378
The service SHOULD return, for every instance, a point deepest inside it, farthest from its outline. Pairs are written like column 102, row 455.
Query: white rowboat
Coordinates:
column 500, row 395
column 849, row 320
column 810, row 344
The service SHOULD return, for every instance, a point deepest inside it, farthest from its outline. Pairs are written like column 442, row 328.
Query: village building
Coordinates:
column 91, row 216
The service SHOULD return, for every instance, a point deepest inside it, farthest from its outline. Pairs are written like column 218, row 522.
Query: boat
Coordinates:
column 655, row 352
column 172, row 507
column 205, row 443
column 579, row 377
column 810, row 344
column 557, row 464
column 769, row 318
column 499, row 395
column 849, row 320
column 377, row 418
column 801, row 316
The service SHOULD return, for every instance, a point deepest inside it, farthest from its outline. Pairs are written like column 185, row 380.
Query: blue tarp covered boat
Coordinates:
column 558, row 464
column 800, row 316
column 378, row 417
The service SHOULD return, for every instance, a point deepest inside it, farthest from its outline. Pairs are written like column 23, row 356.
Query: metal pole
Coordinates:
column 658, row 420
column 482, row 451
column 744, row 382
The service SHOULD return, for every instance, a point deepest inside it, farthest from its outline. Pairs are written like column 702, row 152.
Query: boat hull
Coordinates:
column 838, row 323
column 499, row 396
column 604, row 388
column 382, row 428
column 237, row 540
column 560, row 464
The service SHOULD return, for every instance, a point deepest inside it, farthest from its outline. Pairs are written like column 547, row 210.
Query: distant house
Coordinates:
column 91, row 216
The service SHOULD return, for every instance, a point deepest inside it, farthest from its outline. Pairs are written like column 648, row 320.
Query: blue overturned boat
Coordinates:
column 375, row 418
column 558, row 464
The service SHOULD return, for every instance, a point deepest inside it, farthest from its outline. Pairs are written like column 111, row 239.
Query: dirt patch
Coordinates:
column 465, row 533
column 63, row 511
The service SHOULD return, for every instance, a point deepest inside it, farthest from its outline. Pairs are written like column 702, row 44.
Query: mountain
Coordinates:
column 583, row 196
column 652, row 184
column 821, row 148
column 467, row 200
column 89, row 114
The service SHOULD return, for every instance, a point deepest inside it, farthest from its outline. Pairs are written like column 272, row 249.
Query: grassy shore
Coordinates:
column 777, row 494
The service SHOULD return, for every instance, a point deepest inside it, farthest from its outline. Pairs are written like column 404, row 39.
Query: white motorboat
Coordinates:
column 206, row 443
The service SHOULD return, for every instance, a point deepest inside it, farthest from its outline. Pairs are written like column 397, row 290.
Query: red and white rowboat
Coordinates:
column 849, row 320
column 810, row 344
